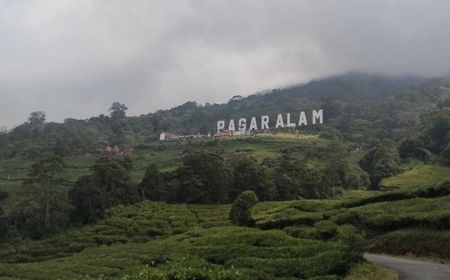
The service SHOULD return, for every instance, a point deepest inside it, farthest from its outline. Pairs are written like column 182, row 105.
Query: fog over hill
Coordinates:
column 70, row 58
column 361, row 108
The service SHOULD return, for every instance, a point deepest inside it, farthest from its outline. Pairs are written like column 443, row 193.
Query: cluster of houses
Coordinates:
column 165, row 136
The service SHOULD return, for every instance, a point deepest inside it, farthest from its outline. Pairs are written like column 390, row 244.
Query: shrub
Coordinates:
column 240, row 213
column 326, row 229
column 353, row 242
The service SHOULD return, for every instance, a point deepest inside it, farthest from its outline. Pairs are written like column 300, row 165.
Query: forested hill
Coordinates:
column 359, row 108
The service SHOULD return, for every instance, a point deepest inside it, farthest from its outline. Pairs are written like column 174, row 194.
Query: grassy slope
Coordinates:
column 418, row 177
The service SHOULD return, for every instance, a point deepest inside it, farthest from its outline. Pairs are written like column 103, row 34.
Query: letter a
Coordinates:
column 302, row 120
column 280, row 122
column 253, row 125
column 231, row 125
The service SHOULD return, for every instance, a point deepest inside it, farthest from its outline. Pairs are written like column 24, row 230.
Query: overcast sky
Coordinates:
column 74, row 58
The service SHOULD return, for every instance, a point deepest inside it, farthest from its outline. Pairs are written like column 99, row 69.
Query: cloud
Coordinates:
column 74, row 58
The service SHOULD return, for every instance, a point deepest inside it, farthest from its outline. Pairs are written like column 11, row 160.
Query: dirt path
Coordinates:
column 412, row 269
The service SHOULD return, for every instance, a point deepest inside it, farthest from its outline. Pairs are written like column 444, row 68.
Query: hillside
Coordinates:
column 374, row 177
column 359, row 107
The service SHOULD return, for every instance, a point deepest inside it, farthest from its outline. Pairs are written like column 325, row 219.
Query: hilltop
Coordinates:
column 361, row 108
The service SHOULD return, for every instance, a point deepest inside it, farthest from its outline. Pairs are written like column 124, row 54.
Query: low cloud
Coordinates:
column 74, row 58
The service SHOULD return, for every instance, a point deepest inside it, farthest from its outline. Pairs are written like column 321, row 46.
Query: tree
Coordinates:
column 118, row 110
column 204, row 178
column 89, row 201
column 414, row 148
column 248, row 174
column 108, row 185
column 240, row 213
column 113, row 176
column 37, row 118
column 381, row 161
column 289, row 174
column 43, row 208
column 152, row 185
column 340, row 171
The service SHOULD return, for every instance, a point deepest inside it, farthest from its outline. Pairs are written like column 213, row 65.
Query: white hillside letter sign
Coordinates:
column 253, row 124
column 220, row 125
column 317, row 115
column 280, row 122
column 243, row 124
column 302, row 120
column 264, row 122
column 231, row 125
column 288, row 121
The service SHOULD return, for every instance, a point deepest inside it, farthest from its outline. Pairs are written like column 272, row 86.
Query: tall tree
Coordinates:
column 43, row 208
column 108, row 185
column 118, row 110
column 152, row 185
column 204, row 178
column 381, row 161
column 249, row 175
column 37, row 118
column 89, row 201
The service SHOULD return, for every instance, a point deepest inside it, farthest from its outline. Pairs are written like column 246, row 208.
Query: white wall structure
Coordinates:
column 162, row 136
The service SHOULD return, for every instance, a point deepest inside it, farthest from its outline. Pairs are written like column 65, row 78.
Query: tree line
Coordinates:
column 203, row 177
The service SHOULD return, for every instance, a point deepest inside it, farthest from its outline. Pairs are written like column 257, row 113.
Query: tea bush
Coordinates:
column 215, row 253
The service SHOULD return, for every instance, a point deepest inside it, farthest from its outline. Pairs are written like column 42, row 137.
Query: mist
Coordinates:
column 74, row 58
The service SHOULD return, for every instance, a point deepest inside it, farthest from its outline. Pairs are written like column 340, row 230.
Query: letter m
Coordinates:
column 317, row 115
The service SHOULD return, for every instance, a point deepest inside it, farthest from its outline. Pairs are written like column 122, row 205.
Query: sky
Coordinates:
column 73, row 58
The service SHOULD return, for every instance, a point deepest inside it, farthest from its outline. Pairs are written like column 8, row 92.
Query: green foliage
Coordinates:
column 248, row 174
column 107, row 185
column 118, row 110
column 326, row 229
column 217, row 253
column 370, row 271
column 382, row 161
column 139, row 223
column 423, row 176
column 240, row 213
column 353, row 242
column 204, row 178
column 152, row 185
column 43, row 208
column 419, row 241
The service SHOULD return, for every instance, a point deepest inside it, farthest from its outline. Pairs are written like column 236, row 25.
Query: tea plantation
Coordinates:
column 161, row 241
column 300, row 239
